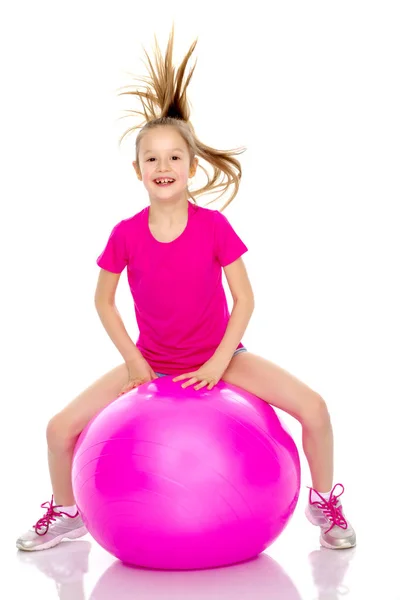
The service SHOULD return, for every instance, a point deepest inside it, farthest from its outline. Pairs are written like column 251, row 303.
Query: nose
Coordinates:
column 163, row 164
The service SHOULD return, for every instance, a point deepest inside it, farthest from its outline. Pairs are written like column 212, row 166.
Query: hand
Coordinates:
column 139, row 372
column 208, row 374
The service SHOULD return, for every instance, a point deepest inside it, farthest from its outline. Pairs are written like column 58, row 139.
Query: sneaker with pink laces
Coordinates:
column 51, row 529
column 336, row 531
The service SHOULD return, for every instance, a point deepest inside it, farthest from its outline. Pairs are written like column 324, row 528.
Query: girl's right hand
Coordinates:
column 139, row 372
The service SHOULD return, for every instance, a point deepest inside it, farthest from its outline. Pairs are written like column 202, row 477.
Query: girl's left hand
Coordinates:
column 208, row 374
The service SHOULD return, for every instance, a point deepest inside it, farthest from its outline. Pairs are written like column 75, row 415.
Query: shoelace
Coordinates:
column 330, row 508
column 50, row 516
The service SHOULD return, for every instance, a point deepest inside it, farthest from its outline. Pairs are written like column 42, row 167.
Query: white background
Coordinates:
column 312, row 90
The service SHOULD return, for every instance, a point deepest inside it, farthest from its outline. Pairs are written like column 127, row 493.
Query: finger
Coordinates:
column 127, row 389
column 190, row 382
column 201, row 385
column 184, row 376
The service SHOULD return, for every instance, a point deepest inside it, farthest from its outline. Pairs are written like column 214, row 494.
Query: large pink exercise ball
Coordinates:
column 176, row 478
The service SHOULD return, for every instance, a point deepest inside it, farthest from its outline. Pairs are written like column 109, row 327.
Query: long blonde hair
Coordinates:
column 164, row 102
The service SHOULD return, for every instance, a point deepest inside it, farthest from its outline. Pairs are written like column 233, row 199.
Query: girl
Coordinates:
column 174, row 250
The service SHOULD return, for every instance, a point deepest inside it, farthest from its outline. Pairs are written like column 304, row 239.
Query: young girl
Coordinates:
column 174, row 251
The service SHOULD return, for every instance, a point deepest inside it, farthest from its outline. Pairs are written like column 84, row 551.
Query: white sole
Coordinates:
column 76, row 533
column 342, row 547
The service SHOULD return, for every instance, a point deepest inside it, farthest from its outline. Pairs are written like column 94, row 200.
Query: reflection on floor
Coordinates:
column 258, row 579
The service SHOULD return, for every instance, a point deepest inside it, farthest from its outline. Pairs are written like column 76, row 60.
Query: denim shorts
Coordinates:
column 243, row 349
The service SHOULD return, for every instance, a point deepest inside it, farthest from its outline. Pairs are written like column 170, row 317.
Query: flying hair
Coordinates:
column 164, row 102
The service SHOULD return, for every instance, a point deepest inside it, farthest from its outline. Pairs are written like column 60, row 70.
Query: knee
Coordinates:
column 59, row 434
column 316, row 414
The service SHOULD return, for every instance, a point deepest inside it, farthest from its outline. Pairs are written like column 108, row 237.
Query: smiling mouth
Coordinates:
column 166, row 184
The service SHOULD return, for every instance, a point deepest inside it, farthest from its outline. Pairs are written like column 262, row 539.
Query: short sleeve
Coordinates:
column 114, row 256
column 228, row 245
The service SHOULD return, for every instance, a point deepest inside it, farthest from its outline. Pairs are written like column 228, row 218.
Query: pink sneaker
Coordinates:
column 51, row 529
column 336, row 531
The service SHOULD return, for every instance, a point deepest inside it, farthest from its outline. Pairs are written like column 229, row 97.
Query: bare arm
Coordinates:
column 111, row 319
column 243, row 307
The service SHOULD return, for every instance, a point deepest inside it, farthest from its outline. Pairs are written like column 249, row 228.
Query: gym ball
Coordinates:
column 167, row 477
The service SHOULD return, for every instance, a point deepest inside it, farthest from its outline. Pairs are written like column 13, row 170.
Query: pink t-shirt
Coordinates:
column 180, row 303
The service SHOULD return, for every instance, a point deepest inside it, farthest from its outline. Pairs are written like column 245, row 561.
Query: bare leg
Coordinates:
column 64, row 428
column 318, row 448
column 60, row 465
column 280, row 388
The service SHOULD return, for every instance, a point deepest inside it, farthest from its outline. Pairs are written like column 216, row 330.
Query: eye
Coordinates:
column 152, row 158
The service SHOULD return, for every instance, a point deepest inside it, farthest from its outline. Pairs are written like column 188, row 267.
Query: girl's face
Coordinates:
column 163, row 154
